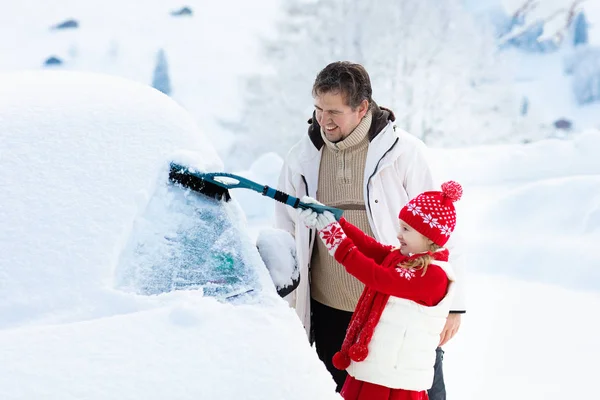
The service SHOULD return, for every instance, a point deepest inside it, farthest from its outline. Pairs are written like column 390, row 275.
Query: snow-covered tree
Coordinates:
column 438, row 70
column 586, row 76
column 540, row 25
column 160, row 79
column 278, row 101
column 580, row 30
column 429, row 61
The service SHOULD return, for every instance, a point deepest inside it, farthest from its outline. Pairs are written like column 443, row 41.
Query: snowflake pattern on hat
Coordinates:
column 413, row 208
column 428, row 219
column 446, row 230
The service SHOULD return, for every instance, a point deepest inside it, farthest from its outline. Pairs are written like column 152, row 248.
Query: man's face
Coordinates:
column 337, row 118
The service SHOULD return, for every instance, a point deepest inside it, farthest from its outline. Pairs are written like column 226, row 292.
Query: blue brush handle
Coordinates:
column 263, row 189
column 296, row 203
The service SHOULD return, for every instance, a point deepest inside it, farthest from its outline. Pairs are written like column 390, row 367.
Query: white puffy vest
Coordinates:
column 402, row 349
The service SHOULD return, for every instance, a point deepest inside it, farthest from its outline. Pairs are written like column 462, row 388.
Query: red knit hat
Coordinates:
column 432, row 214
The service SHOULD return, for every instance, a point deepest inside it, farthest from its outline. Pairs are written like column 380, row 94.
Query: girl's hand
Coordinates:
column 330, row 231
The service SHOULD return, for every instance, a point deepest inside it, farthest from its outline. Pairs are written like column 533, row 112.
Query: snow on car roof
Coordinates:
column 81, row 156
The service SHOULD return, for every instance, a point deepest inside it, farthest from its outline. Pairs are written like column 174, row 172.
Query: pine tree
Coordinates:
column 160, row 79
column 580, row 30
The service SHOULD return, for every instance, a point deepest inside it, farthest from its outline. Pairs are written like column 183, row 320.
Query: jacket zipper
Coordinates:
column 373, row 174
column 311, row 235
column 311, row 239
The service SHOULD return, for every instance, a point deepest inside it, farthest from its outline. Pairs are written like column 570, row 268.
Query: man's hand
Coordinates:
column 308, row 215
column 452, row 325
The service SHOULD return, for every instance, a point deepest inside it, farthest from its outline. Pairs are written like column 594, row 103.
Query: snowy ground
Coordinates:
column 524, row 340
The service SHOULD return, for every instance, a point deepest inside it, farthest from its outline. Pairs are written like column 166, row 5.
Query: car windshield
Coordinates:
column 185, row 240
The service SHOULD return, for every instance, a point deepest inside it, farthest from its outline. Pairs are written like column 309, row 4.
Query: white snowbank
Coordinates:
column 81, row 153
column 195, row 348
column 535, row 206
column 81, row 156
column 523, row 340
column 277, row 248
column 551, row 158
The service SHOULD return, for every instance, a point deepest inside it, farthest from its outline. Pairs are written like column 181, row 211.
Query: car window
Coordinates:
column 185, row 240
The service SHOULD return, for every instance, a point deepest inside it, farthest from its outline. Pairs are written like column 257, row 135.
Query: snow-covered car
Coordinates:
column 116, row 283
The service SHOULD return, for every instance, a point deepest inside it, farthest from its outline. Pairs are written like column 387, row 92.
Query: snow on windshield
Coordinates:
column 185, row 240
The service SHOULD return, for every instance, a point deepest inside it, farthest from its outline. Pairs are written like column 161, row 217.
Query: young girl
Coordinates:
column 389, row 348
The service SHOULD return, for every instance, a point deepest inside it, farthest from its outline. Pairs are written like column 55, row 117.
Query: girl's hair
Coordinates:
column 421, row 263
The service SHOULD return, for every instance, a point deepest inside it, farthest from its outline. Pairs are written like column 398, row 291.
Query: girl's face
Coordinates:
column 411, row 241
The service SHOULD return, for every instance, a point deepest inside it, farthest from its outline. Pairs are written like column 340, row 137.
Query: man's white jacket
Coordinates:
column 396, row 171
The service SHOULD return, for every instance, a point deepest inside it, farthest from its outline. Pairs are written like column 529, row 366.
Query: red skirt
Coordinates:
column 358, row 390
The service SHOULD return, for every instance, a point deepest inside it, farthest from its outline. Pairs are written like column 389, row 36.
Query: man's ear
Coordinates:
column 363, row 108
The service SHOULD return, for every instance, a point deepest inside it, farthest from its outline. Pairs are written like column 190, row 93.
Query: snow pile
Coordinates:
column 546, row 159
column 277, row 248
column 82, row 155
column 190, row 348
column 522, row 340
column 537, row 203
column 82, row 158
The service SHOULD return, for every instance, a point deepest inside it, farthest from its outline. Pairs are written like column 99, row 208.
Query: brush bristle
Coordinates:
column 199, row 185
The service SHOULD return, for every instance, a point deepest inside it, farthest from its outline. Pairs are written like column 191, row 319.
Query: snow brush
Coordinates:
column 217, row 185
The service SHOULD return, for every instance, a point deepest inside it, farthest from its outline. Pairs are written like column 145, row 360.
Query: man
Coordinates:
column 356, row 159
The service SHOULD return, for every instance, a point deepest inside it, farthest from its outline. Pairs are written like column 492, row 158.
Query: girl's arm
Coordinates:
column 427, row 290
column 365, row 244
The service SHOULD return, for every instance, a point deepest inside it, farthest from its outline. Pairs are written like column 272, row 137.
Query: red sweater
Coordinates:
column 375, row 265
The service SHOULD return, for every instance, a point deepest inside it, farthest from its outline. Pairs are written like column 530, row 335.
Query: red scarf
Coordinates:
column 366, row 316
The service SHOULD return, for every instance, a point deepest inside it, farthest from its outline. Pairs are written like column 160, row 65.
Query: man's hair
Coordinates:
column 349, row 79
